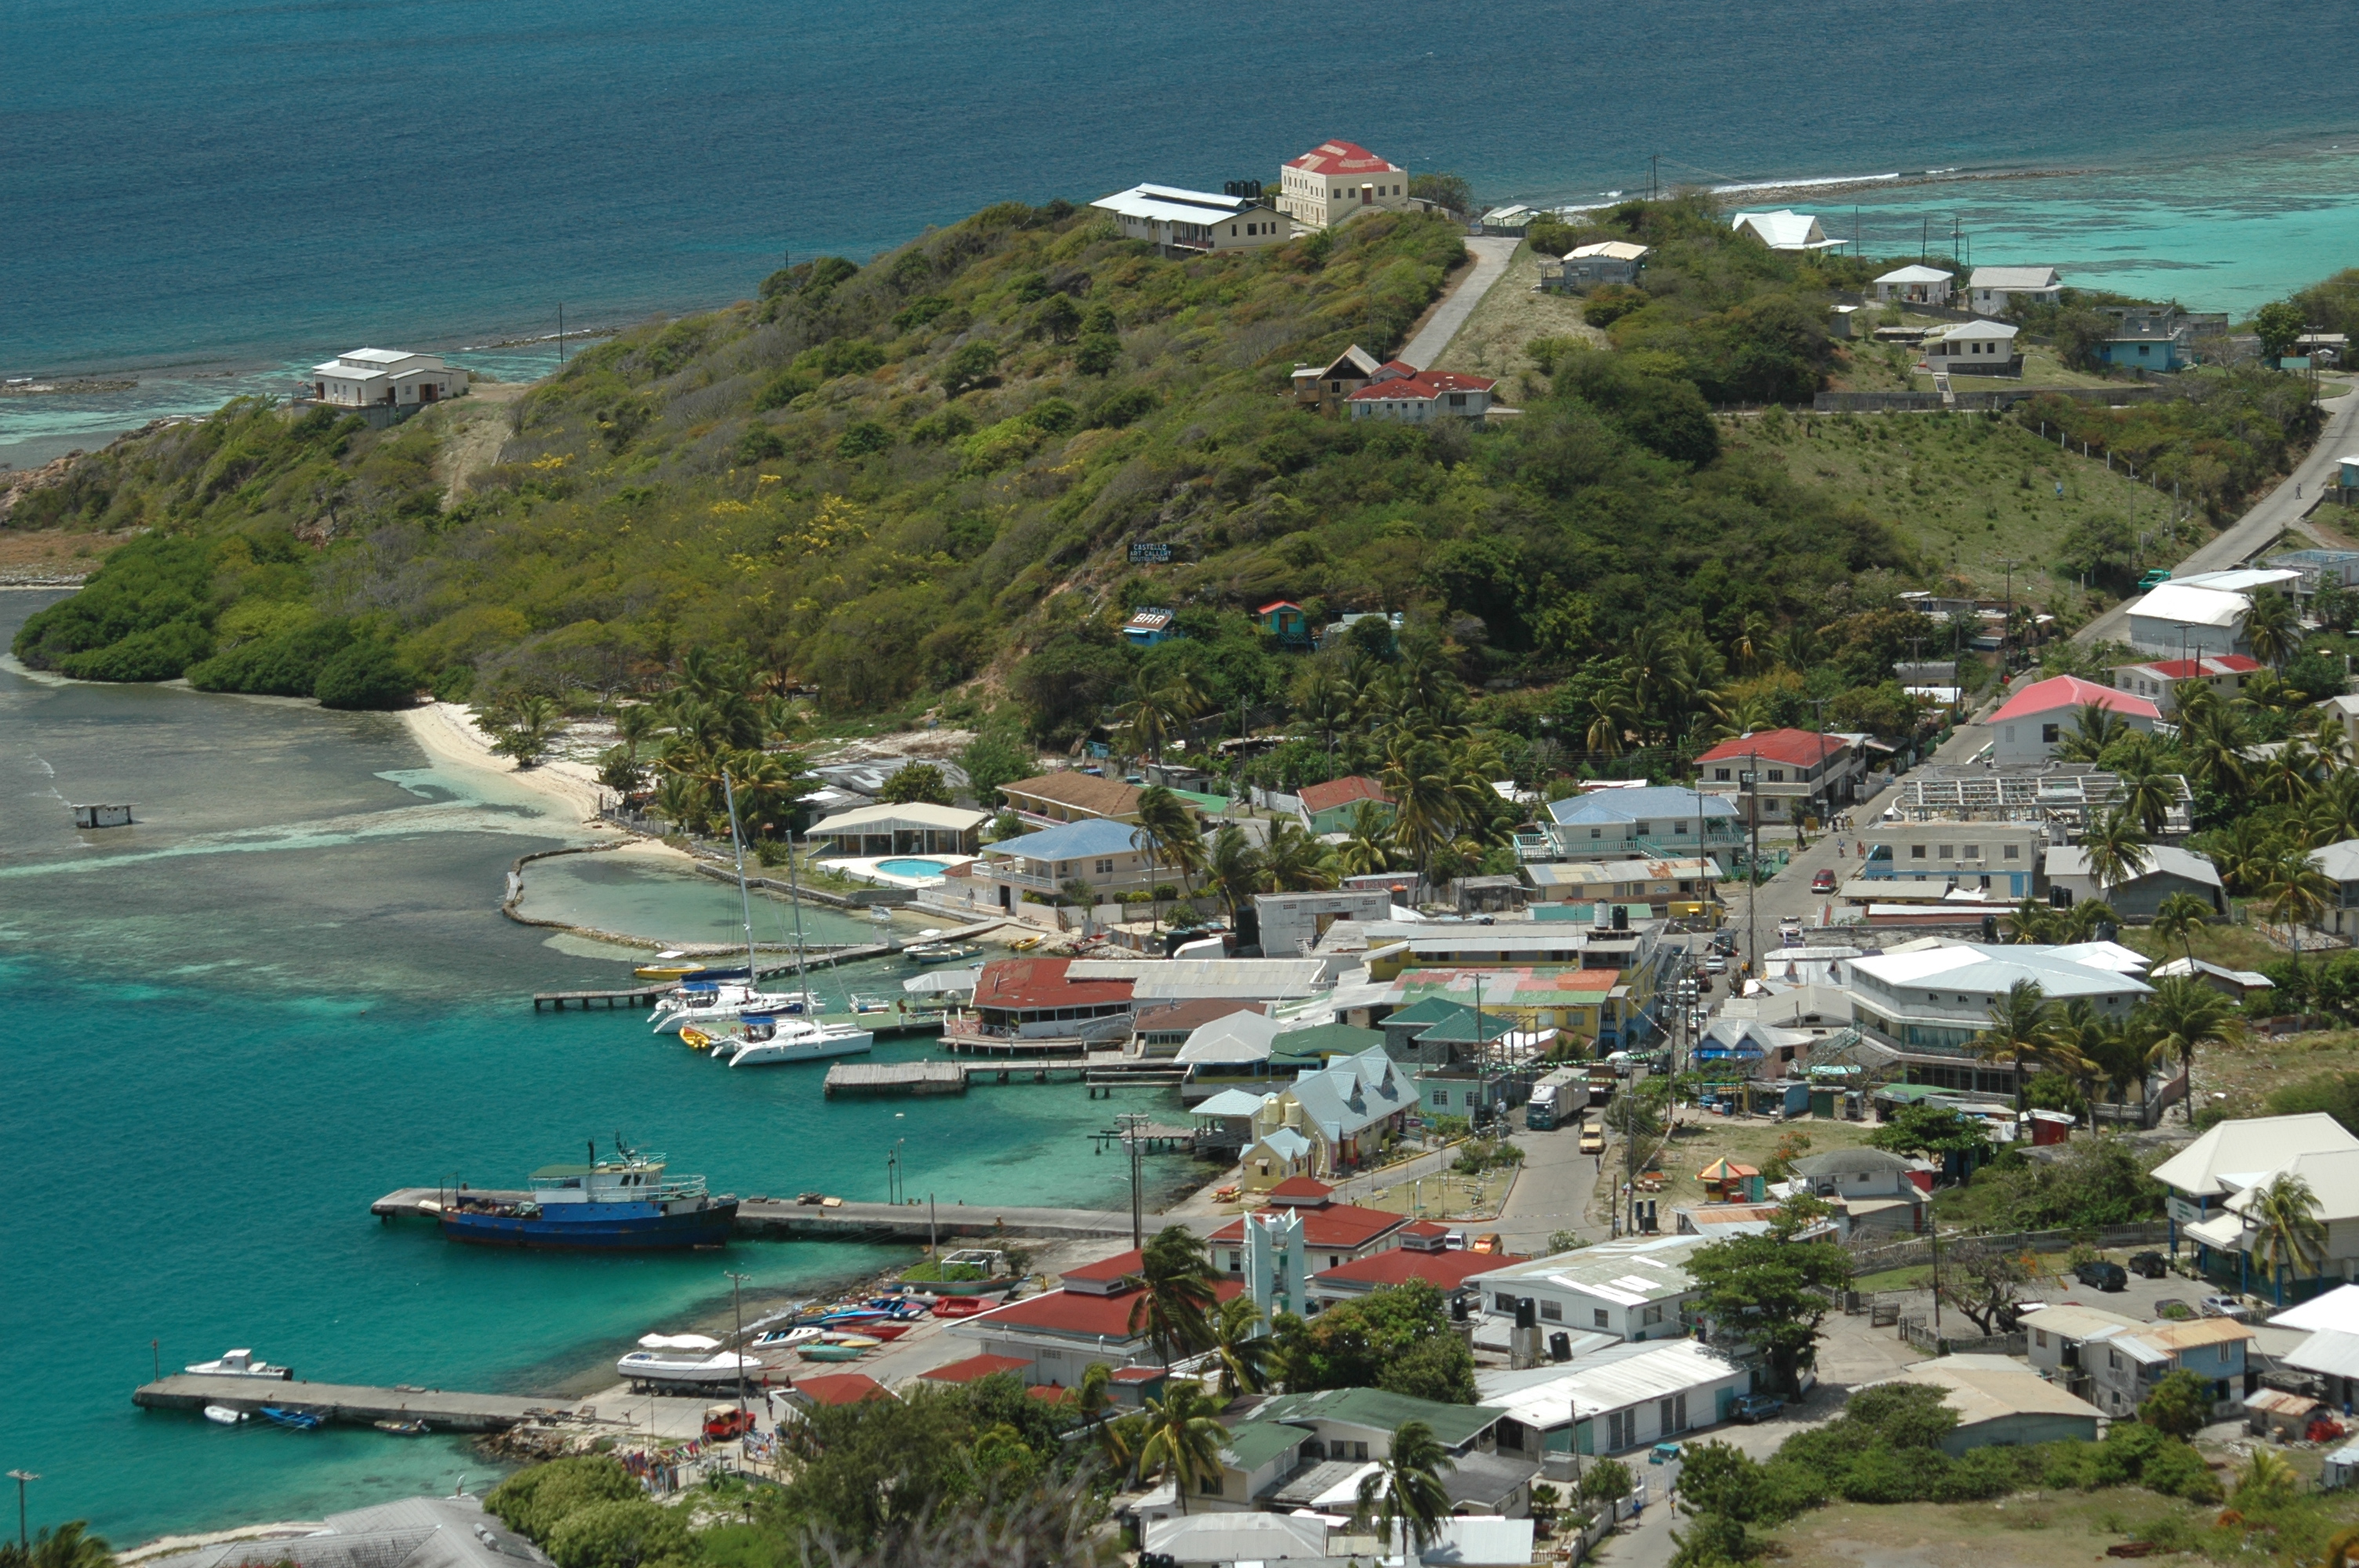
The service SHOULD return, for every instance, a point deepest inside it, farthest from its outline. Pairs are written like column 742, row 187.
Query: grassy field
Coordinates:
column 1700, row 1140
column 1512, row 315
column 1967, row 491
column 1448, row 1197
column 2035, row 1530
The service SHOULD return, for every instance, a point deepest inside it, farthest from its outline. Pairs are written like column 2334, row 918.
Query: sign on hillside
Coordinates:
column 1145, row 553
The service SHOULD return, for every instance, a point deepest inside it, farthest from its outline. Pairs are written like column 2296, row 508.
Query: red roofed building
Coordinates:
column 975, row 1369
column 1413, row 396
column 1333, row 1234
column 1336, row 181
column 2027, row 729
column 1800, row 774
column 2159, row 682
column 1018, row 998
column 836, row 1388
column 1284, row 619
column 1330, row 807
column 1056, row 1336
column 1424, row 1254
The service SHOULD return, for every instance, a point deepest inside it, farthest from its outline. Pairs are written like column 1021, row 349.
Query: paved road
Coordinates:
column 1491, row 253
column 2274, row 512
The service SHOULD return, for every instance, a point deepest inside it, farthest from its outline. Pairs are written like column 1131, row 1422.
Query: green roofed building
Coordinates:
column 1341, row 1429
column 1325, row 1040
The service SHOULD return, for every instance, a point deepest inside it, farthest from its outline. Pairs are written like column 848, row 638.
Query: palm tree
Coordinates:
column 1613, row 719
column 1184, row 1439
column 2213, row 738
column 1158, row 708
column 2032, row 921
column 1370, row 848
column 2019, row 1033
column 2082, row 921
column 1243, row 1350
column 2148, row 796
column 1322, row 701
column 2117, row 849
column 2119, row 1052
column 70, row 1545
column 2243, row 851
column 2184, row 1014
column 527, row 728
column 1177, row 1297
column 2097, row 727
column 2273, row 627
column 2295, row 891
column 1297, row 862
column 1234, row 868
column 1405, row 1489
column 2331, row 813
column 1093, row 1397
column 1167, row 832
column 2291, row 1238
column 2178, row 917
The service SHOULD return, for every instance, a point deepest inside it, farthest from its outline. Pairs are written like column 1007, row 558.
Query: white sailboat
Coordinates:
column 774, row 1041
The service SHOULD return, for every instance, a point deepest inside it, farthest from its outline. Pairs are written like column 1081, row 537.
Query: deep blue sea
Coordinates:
column 190, row 188
column 288, row 991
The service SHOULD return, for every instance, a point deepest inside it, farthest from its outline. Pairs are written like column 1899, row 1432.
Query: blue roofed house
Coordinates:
column 1106, row 855
column 1655, row 822
column 1348, row 1110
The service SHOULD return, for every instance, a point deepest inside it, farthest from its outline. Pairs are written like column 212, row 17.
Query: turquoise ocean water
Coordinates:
column 213, row 194
column 288, row 991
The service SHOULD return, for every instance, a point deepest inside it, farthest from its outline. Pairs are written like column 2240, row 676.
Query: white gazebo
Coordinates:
column 918, row 828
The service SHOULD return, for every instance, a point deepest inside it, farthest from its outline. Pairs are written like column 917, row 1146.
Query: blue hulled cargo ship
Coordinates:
column 627, row 1202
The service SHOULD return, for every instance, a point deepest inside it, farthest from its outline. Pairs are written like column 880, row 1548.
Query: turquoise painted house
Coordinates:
column 1284, row 619
column 2144, row 337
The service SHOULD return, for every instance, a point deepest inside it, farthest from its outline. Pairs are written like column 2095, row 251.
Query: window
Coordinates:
column 1106, row 867
column 1359, row 1451
column 1946, row 852
column 2039, row 1338
column 1652, row 1315
column 1620, row 1430
column 1916, row 851
column 1210, row 1486
column 2011, row 853
column 1599, row 1317
column 2049, row 733
column 1597, row 833
column 1502, row 1303
column 1777, row 775
column 1719, row 775
column 1973, row 851
column 1553, row 1312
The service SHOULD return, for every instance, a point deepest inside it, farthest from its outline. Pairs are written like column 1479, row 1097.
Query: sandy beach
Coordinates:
column 450, row 735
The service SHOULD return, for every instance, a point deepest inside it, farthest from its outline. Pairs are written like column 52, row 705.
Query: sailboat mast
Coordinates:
column 745, row 899
column 795, row 897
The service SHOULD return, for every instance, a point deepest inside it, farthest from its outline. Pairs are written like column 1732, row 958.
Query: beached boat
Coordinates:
column 769, row 1041
column 239, row 1364
column 888, row 1331
column 625, row 1203
column 937, row 952
column 292, row 1419
column 225, row 1415
column 834, row 1352
column 967, row 1306
column 402, row 1428
column 788, row 1338
column 689, row 1368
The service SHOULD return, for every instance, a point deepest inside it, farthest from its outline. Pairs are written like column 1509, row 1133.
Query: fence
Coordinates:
column 1915, row 1331
column 1906, row 1254
column 1987, row 402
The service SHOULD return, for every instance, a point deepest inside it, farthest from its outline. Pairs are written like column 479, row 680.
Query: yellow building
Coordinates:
column 1337, row 180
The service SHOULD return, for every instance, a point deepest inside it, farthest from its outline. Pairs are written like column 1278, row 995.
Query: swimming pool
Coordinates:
column 904, row 867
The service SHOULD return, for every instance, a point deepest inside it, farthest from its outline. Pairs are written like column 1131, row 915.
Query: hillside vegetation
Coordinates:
column 920, row 481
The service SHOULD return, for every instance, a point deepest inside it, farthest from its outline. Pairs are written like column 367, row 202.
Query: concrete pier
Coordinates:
column 442, row 1410
column 774, row 1219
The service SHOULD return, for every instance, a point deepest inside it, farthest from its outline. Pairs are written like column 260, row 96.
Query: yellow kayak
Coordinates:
column 694, row 1039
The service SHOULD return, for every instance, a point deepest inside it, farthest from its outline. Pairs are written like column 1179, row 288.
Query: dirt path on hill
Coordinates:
column 480, row 429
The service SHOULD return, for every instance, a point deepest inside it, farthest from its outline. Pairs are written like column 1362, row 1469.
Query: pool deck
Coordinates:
column 871, row 869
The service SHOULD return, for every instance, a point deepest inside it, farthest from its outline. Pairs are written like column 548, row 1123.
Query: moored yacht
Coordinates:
column 769, row 1041
column 240, row 1363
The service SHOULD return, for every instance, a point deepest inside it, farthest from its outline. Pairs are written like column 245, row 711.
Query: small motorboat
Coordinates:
column 293, row 1419
column 863, row 1003
column 849, row 1315
column 1023, row 944
column 936, row 952
column 239, row 1364
column 403, row 1428
column 669, row 965
column 857, row 1341
column 834, row 1352
column 888, row 1331
column 227, row 1415
column 788, row 1338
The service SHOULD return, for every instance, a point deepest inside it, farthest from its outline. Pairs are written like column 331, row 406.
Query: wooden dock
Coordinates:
column 640, row 996
column 775, row 1218
column 896, row 1078
column 442, row 1410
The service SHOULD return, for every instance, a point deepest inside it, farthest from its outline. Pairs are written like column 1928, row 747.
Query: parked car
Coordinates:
column 2103, row 1276
column 2150, row 1265
column 2226, row 1307
column 1715, row 965
column 1824, row 882
column 1593, row 1138
column 1751, row 1408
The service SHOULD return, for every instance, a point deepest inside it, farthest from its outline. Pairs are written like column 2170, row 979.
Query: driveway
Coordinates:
column 2271, row 516
column 1491, row 253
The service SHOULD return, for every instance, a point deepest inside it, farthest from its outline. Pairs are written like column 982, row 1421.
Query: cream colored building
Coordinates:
column 1336, row 181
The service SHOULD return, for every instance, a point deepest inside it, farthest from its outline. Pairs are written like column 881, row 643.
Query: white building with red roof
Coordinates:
column 2160, row 681
column 2028, row 728
column 1053, row 1337
column 1423, row 1254
column 1336, row 181
column 1401, row 391
column 1791, row 773
column 1333, row 1234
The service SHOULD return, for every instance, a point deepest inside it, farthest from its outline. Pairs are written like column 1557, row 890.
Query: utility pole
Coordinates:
column 1133, row 1123
column 1753, row 880
column 2006, row 631
column 1480, row 1053
column 737, row 1348
column 24, row 1541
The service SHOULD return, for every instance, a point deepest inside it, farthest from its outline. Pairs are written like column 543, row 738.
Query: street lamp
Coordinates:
column 24, row 1541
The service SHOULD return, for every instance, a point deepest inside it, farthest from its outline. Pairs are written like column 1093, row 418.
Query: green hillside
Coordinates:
column 918, row 482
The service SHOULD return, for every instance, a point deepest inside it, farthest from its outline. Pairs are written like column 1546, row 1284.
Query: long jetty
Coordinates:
column 772, row 1218
column 442, row 1410
column 1100, row 1069
column 649, row 994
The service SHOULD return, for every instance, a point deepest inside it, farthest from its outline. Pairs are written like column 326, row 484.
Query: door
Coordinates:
column 1007, row 897
column 427, row 391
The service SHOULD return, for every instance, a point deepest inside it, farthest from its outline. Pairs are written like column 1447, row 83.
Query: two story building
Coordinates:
column 1109, row 855
column 2161, row 681
column 2004, row 857
column 1794, row 774
column 1650, row 823
column 1635, row 1288
column 1870, row 1190
column 1333, row 1234
column 2230, row 1155
column 1676, row 889
column 393, row 378
column 2113, row 1362
column 1919, row 1008
column 1326, row 387
column 1338, row 180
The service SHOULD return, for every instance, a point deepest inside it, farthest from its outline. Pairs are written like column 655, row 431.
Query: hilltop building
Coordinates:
column 1336, row 181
